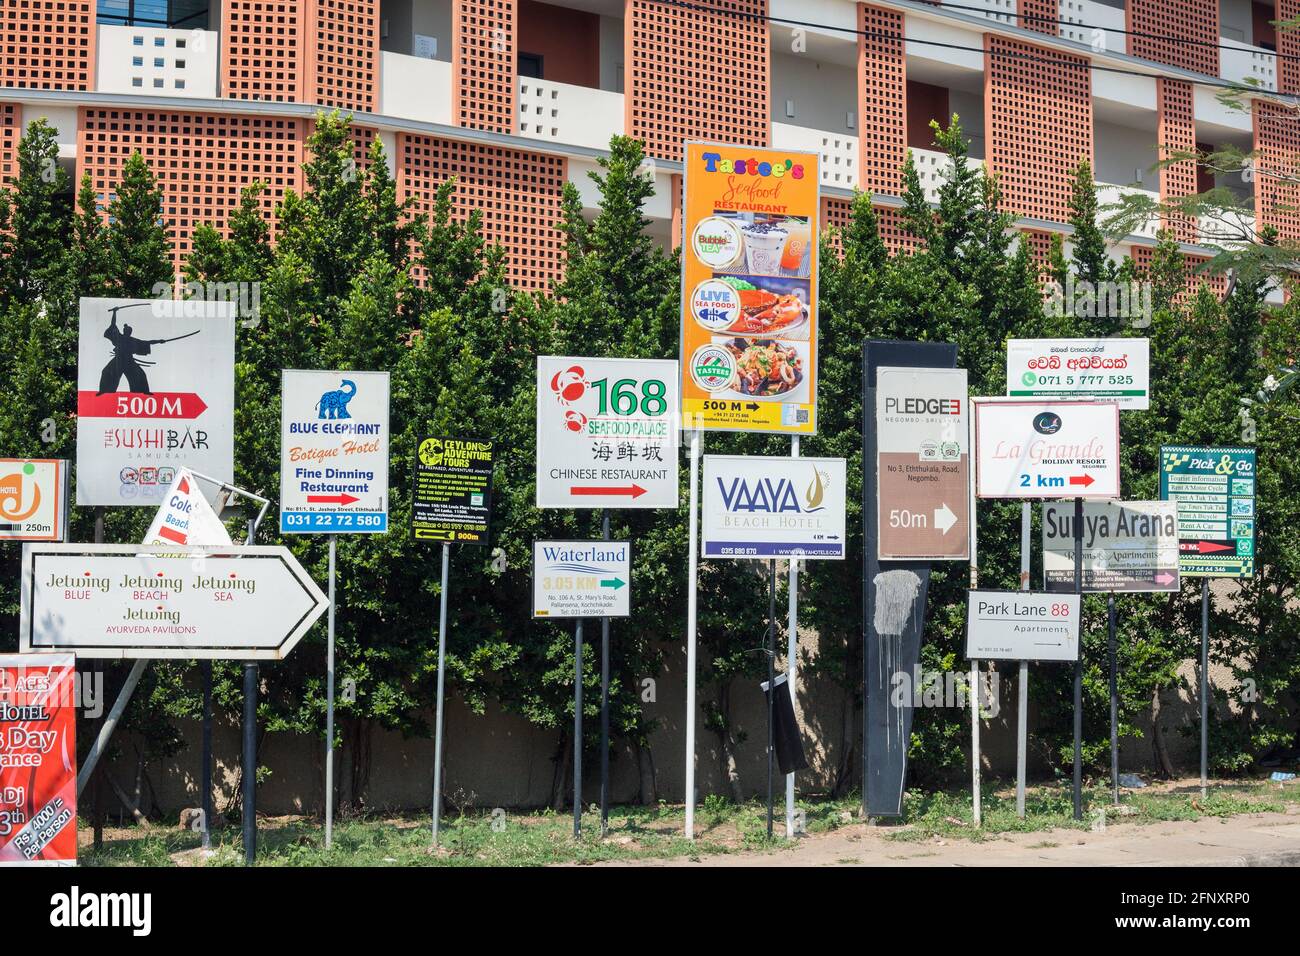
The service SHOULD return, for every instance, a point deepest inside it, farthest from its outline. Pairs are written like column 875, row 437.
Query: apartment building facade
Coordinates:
column 517, row 97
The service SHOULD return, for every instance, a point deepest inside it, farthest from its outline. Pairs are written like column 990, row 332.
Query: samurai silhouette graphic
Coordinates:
column 126, row 348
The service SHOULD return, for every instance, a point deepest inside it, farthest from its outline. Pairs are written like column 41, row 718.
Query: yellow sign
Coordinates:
column 749, row 289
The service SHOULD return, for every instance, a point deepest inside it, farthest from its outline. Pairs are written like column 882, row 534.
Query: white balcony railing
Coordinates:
column 415, row 87
column 1243, row 63
column 933, row 169
column 564, row 113
column 1000, row 10
column 838, row 151
column 1095, row 24
column 163, row 62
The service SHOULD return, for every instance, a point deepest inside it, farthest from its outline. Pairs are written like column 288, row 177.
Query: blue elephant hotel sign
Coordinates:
column 333, row 452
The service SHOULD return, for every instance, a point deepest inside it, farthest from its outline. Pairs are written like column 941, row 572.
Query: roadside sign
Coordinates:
column 607, row 432
column 1127, row 546
column 749, row 289
column 38, row 759
column 133, row 600
column 582, row 579
column 1046, row 449
column 1022, row 626
column 333, row 452
column 155, row 392
column 773, row 507
column 1114, row 368
column 33, row 499
column 922, row 464
column 451, row 496
column 185, row 517
column 1214, row 489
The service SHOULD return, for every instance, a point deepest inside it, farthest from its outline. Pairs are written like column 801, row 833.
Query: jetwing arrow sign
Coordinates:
column 118, row 601
column 922, row 464
column 1046, row 449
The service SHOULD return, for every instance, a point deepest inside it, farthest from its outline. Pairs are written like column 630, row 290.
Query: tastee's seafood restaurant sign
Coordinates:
column 749, row 289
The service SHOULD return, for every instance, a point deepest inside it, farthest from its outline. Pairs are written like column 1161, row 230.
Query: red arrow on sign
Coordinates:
column 1084, row 480
column 344, row 499
column 1164, row 577
column 632, row 491
column 139, row 405
column 1205, row 547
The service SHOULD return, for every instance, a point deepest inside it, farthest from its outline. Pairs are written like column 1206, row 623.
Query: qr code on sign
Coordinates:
column 792, row 415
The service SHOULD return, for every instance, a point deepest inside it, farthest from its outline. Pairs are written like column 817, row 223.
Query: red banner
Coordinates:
column 186, row 405
column 38, row 759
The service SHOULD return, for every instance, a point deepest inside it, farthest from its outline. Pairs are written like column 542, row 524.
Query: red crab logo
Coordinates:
column 569, row 385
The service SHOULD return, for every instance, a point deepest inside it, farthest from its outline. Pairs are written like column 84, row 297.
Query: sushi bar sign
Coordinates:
column 749, row 290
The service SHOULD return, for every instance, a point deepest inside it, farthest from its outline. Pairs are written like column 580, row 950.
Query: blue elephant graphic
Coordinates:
column 335, row 404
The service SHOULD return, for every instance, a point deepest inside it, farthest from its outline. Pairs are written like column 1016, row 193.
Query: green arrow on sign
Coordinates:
column 614, row 583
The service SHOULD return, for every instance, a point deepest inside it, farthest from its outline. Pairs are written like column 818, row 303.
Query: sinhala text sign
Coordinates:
column 1046, row 449
column 922, row 464
column 773, row 507
column 333, row 452
column 1115, row 368
column 155, row 392
column 33, row 499
column 451, row 498
column 1214, row 489
column 1127, row 546
column 132, row 600
column 606, row 432
column 582, row 579
column 749, row 289
column 1022, row 626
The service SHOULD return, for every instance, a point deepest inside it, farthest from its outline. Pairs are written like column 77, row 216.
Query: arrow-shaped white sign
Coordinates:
column 944, row 519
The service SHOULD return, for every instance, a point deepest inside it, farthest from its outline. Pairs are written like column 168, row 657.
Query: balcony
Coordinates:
column 568, row 114
column 1243, row 63
column 160, row 61
column 415, row 88
column 838, row 151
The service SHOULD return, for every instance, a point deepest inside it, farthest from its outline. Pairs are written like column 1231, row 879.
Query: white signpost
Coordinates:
column 33, row 499
column 155, row 392
column 1046, row 449
column 765, row 508
column 1127, row 546
column 1114, row 368
column 333, row 452
column 582, row 579
column 1022, row 626
column 607, row 432
column 149, row 601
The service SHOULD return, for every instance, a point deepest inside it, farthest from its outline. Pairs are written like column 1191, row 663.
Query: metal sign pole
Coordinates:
column 250, row 762
column 329, row 708
column 791, row 660
column 693, row 564
column 1078, row 663
column 771, row 689
column 205, row 777
column 1205, row 685
column 577, row 730
column 1114, row 697
column 974, row 664
column 1022, row 683
column 604, row 704
column 442, row 671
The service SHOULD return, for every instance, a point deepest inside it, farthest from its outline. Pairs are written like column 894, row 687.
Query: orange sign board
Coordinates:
column 749, row 289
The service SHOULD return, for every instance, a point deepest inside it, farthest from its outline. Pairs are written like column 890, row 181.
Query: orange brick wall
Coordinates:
column 1039, row 15
column 882, row 99
column 692, row 73
column 1288, row 44
column 1217, row 284
column 1037, row 124
column 11, row 130
column 1277, row 146
column 262, row 49
column 343, row 54
column 1167, row 24
column 484, row 85
column 1176, row 134
column 518, row 193
column 202, row 161
column 47, row 44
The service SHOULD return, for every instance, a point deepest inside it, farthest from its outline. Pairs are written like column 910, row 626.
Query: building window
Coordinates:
column 137, row 61
column 180, row 84
column 157, row 84
column 180, row 64
column 158, row 62
column 137, row 41
column 136, row 81
column 530, row 65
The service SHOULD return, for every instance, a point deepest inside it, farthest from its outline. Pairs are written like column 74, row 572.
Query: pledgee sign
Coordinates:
column 749, row 289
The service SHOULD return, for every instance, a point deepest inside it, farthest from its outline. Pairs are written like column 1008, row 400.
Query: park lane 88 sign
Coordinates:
column 155, row 392
column 773, row 507
column 333, row 452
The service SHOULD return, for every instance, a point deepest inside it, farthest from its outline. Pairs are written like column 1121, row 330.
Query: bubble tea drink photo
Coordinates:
column 764, row 246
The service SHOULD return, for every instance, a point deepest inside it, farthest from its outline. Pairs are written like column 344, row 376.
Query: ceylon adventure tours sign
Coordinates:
column 749, row 289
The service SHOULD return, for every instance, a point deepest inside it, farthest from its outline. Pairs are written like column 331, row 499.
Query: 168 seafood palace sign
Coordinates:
column 132, row 600
column 155, row 392
column 773, row 507
column 606, row 432
column 1127, row 546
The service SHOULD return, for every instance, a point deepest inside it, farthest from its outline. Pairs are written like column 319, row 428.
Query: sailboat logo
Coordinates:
column 815, row 493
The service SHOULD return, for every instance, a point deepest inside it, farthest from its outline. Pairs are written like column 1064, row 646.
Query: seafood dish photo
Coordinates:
column 764, row 312
column 765, row 368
